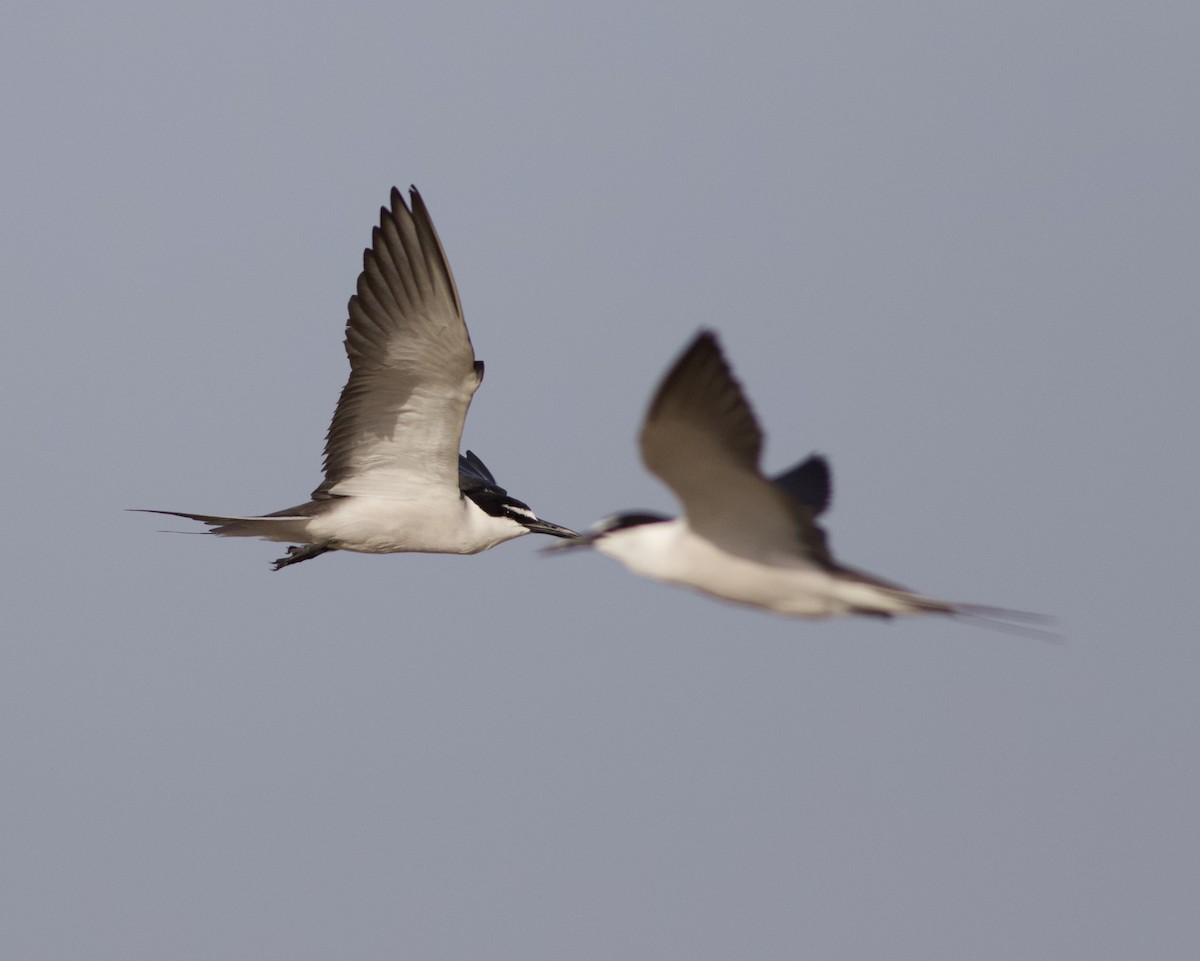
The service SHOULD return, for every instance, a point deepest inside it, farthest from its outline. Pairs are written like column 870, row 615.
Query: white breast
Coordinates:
column 433, row 524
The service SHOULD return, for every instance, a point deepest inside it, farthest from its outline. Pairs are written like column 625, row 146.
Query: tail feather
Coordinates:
column 274, row 527
column 1007, row 621
column 1002, row 619
column 886, row 599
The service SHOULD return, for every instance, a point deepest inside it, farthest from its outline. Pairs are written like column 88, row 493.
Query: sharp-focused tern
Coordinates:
column 744, row 537
column 394, row 478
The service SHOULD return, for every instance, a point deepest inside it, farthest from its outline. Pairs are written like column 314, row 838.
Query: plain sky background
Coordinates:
column 951, row 245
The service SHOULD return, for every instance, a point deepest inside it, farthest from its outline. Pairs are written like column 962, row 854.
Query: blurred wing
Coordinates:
column 702, row 440
column 808, row 482
column 413, row 371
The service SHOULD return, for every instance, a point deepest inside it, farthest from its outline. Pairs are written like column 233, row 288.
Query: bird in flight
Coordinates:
column 394, row 477
column 744, row 537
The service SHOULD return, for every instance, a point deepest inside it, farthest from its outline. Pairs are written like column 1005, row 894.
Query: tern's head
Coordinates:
column 511, row 516
column 520, row 512
column 515, row 515
column 612, row 524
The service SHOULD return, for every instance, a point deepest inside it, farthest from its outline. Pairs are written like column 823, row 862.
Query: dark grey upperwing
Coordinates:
column 809, row 490
column 809, row 482
column 476, row 482
column 473, row 474
column 810, row 486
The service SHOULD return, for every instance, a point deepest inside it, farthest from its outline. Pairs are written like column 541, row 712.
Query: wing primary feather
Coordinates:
column 700, row 395
column 436, row 259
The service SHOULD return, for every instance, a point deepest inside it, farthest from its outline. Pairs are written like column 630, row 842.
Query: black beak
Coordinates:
column 540, row 526
column 578, row 540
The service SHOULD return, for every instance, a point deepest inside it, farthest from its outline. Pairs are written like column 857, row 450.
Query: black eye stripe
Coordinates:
column 620, row 522
column 496, row 502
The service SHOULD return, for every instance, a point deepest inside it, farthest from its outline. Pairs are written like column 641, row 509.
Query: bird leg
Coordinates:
column 299, row 553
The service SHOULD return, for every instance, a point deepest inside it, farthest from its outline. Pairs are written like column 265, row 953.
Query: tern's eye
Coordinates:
column 520, row 512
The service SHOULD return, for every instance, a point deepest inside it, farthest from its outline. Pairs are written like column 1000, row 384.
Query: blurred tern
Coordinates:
column 744, row 537
column 394, row 478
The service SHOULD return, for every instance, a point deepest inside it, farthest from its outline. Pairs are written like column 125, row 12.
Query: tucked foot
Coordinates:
column 301, row 552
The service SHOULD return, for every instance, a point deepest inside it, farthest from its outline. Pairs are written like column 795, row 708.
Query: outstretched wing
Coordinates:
column 413, row 371
column 702, row 440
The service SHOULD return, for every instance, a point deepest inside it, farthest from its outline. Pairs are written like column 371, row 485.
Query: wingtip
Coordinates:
column 705, row 338
column 703, row 358
column 397, row 203
column 705, row 346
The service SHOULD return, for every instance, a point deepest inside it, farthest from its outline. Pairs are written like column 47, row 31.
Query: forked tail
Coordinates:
column 273, row 527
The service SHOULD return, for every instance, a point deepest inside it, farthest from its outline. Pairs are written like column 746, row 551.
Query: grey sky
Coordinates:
column 950, row 245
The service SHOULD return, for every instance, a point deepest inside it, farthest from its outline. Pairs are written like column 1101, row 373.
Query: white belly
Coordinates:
column 671, row 552
column 441, row 525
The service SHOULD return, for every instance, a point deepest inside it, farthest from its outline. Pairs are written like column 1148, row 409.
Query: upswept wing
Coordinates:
column 808, row 482
column 702, row 440
column 413, row 371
